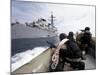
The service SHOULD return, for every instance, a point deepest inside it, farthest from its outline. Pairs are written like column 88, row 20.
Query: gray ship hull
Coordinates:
column 23, row 31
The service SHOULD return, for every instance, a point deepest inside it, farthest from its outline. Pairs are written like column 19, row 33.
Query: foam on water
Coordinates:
column 24, row 57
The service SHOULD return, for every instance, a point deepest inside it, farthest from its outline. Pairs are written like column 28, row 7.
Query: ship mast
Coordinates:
column 52, row 19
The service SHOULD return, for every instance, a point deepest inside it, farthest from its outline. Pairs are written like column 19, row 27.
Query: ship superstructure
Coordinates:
column 35, row 29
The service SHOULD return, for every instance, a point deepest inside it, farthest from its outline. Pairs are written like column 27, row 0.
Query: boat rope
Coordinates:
column 55, row 57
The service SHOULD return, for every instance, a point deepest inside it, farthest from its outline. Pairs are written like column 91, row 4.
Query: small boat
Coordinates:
column 41, row 64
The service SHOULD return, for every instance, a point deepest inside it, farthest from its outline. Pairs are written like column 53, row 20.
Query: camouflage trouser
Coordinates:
column 78, row 65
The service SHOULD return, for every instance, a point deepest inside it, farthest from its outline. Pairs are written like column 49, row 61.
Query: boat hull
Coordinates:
column 39, row 64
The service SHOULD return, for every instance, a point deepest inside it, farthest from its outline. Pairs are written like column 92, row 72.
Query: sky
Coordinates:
column 68, row 17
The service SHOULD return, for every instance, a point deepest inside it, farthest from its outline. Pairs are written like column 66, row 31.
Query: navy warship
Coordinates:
column 35, row 34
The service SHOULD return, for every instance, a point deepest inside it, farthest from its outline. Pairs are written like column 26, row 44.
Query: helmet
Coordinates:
column 62, row 36
column 87, row 28
column 70, row 34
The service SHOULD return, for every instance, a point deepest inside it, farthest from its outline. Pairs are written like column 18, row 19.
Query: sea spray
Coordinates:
column 24, row 57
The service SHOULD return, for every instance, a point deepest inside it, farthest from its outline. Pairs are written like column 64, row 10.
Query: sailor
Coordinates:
column 63, row 50
column 70, row 52
column 86, row 41
column 56, row 66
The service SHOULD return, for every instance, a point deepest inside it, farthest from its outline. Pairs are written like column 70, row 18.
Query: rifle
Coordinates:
column 51, row 44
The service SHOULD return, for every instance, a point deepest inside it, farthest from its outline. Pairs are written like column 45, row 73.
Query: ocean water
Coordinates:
column 21, row 45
